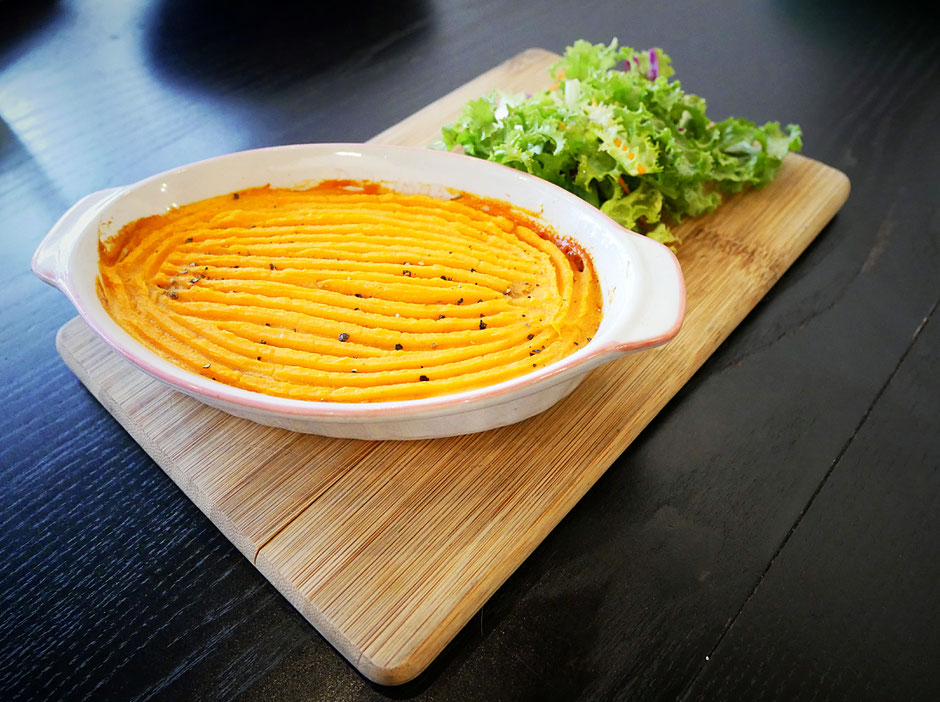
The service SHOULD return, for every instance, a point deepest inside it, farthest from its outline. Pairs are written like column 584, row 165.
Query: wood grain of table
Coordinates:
column 772, row 534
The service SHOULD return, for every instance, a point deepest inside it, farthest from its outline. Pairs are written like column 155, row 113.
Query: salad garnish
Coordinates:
column 616, row 131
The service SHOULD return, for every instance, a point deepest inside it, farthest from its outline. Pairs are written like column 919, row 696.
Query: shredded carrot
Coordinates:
column 623, row 185
column 640, row 169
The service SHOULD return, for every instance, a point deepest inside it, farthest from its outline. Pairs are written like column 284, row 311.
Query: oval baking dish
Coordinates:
column 641, row 283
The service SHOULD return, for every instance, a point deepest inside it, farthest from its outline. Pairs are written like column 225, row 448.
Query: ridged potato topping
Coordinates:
column 350, row 292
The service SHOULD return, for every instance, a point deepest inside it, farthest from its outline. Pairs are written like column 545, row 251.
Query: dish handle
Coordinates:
column 663, row 288
column 50, row 259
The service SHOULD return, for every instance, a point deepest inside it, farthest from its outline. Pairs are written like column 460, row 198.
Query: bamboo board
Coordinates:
column 389, row 548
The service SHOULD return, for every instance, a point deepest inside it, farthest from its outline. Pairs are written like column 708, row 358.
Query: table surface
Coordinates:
column 774, row 533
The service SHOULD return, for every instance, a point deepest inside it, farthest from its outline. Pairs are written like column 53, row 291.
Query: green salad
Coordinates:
column 617, row 132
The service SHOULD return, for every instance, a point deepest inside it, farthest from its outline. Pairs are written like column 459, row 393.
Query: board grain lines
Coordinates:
column 388, row 549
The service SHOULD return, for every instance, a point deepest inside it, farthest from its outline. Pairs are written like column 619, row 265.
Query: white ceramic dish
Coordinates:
column 641, row 283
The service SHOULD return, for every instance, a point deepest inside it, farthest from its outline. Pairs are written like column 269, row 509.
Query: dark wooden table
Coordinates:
column 775, row 533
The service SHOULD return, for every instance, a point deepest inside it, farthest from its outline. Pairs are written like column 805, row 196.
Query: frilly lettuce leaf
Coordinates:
column 617, row 132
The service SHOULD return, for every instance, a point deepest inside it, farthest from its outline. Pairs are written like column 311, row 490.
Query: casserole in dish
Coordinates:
column 640, row 282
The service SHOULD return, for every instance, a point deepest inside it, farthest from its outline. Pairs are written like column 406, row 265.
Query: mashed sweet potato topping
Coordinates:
column 350, row 292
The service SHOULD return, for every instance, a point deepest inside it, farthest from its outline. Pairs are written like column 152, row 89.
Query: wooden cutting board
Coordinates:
column 389, row 548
